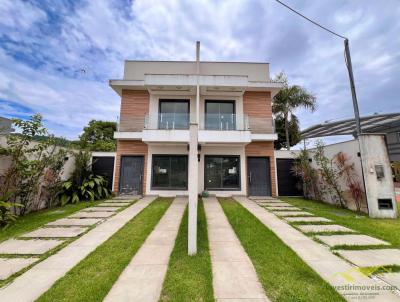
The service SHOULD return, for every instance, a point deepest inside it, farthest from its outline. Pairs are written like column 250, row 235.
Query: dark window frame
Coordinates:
column 207, row 101
column 169, row 188
column 172, row 101
column 239, row 188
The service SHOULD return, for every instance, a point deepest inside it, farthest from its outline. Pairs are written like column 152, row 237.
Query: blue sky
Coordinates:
column 45, row 45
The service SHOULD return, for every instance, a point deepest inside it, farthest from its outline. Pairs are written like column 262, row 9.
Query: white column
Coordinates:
column 194, row 166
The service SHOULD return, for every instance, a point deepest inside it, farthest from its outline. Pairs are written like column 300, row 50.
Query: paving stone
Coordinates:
column 323, row 228
column 75, row 222
column 56, row 232
column 234, row 276
column 118, row 201
column 278, row 204
column 283, row 209
column 307, row 219
column 292, row 213
column 392, row 279
column 33, row 283
column 269, row 201
column 10, row 266
column 143, row 277
column 91, row 215
column 100, row 209
column 113, row 204
column 28, row 247
column 334, row 240
column 376, row 257
column 333, row 269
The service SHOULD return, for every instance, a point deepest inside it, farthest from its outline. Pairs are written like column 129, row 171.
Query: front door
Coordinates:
column 259, row 176
column 131, row 175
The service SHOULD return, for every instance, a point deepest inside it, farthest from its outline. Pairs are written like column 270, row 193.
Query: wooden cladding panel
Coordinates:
column 257, row 104
column 134, row 103
column 129, row 148
column 265, row 149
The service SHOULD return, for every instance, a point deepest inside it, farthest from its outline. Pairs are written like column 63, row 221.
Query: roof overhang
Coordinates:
column 377, row 123
column 187, row 83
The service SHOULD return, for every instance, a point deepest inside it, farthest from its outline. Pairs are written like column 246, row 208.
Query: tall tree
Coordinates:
column 290, row 98
column 98, row 136
column 294, row 132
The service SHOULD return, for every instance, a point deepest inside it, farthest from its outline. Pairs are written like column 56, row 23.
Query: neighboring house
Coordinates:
column 5, row 126
column 235, row 132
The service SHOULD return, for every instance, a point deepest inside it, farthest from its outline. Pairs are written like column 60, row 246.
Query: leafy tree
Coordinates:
column 294, row 132
column 98, row 136
column 30, row 160
column 287, row 101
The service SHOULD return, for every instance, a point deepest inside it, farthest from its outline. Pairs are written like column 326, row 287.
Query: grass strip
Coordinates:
column 94, row 276
column 385, row 229
column 34, row 220
column 283, row 275
column 189, row 278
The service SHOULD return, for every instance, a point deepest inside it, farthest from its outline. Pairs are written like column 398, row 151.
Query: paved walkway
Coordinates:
column 34, row 282
column 143, row 278
column 234, row 277
column 334, row 270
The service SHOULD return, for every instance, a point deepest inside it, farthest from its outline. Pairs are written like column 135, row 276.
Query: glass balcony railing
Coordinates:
column 181, row 121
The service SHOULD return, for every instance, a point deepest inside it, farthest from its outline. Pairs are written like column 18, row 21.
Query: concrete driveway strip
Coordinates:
column 36, row 281
column 344, row 277
column 143, row 278
column 234, row 277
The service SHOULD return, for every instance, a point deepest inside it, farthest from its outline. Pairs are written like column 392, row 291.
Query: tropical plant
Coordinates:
column 294, row 132
column 7, row 214
column 83, row 185
column 329, row 175
column 347, row 171
column 287, row 101
column 92, row 188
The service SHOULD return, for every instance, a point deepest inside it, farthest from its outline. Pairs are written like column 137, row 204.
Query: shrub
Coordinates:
column 83, row 185
column 6, row 214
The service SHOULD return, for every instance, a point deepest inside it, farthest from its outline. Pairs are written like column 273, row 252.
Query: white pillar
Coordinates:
column 193, row 183
column 194, row 166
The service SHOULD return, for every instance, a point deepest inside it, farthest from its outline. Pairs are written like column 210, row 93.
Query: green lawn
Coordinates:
column 284, row 276
column 189, row 278
column 385, row 229
column 34, row 220
column 94, row 276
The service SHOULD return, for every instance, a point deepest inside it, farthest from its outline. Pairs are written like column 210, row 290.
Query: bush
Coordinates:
column 83, row 185
column 6, row 214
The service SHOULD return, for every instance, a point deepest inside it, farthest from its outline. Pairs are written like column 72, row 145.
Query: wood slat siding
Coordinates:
column 134, row 104
column 129, row 148
column 263, row 149
column 257, row 104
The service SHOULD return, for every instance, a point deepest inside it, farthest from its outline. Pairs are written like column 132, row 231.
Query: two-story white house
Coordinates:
column 231, row 104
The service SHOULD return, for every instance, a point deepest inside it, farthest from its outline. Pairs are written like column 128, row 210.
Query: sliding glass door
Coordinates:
column 220, row 115
column 174, row 114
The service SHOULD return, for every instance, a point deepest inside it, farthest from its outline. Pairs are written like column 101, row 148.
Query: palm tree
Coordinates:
column 288, row 100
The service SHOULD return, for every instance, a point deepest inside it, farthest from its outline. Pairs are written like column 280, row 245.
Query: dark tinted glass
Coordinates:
column 170, row 172
column 220, row 115
column 222, row 172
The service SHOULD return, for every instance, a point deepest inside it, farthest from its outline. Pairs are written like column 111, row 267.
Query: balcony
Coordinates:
column 213, row 128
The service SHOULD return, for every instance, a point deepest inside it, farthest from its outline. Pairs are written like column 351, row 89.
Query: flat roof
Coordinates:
column 376, row 123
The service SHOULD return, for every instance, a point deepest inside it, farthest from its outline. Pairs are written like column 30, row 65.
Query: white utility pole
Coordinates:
column 194, row 164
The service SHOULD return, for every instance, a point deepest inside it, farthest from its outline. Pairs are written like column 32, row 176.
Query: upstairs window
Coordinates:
column 174, row 114
column 220, row 115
